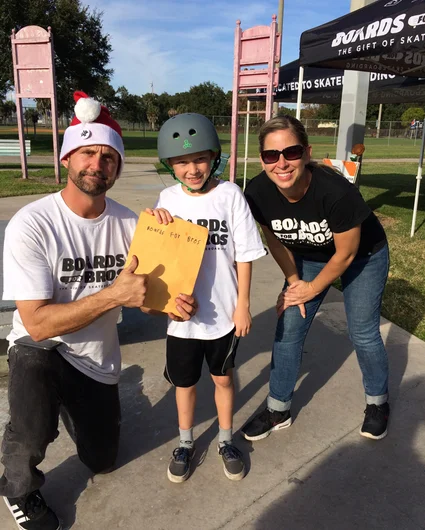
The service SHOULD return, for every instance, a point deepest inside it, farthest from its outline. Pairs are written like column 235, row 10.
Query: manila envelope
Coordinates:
column 171, row 256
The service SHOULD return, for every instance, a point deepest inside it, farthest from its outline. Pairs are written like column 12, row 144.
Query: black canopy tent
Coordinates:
column 387, row 36
column 324, row 85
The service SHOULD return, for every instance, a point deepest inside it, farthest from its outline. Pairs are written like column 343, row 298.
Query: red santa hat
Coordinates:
column 92, row 125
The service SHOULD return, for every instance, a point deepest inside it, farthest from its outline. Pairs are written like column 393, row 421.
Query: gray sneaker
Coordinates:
column 179, row 467
column 233, row 465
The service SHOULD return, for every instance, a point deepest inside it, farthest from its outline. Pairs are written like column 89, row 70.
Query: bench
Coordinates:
column 11, row 147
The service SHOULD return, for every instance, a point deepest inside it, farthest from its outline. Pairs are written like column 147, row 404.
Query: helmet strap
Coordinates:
column 214, row 167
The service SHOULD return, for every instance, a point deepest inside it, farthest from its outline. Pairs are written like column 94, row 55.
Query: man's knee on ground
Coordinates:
column 99, row 464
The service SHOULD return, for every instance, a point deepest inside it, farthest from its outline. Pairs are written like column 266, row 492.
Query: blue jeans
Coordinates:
column 363, row 286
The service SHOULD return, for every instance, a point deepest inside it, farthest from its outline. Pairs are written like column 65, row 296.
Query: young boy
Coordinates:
column 189, row 147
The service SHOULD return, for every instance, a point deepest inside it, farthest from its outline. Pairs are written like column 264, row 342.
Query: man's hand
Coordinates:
column 162, row 215
column 186, row 306
column 129, row 289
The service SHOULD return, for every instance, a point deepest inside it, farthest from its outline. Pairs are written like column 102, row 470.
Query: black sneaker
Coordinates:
column 375, row 421
column 179, row 467
column 233, row 465
column 266, row 422
column 32, row 513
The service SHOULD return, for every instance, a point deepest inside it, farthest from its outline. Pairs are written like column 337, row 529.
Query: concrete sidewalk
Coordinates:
column 319, row 474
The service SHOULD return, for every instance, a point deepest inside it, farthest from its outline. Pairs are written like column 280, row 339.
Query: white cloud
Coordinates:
column 179, row 43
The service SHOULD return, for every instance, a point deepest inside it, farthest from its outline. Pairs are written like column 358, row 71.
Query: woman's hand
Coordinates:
column 242, row 320
column 282, row 304
column 300, row 292
column 162, row 215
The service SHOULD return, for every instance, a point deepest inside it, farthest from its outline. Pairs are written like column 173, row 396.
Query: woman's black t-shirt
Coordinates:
column 306, row 227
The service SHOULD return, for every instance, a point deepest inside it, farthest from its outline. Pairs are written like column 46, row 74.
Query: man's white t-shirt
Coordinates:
column 233, row 237
column 50, row 253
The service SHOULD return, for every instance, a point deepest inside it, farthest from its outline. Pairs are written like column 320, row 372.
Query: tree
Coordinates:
column 7, row 108
column 285, row 111
column 310, row 111
column 31, row 116
column 152, row 112
column 413, row 113
column 106, row 94
column 130, row 107
column 151, row 102
column 328, row 112
column 208, row 99
column 182, row 109
column 81, row 48
column 394, row 112
column 165, row 102
column 44, row 108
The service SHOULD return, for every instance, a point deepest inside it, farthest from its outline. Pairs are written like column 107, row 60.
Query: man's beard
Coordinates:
column 92, row 187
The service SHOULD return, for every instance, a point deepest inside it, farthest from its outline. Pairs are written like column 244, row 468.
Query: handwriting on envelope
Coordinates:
column 171, row 255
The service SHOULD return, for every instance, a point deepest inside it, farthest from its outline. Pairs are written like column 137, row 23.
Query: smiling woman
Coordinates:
column 318, row 228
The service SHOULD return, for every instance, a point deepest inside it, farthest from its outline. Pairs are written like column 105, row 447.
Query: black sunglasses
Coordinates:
column 271, row 156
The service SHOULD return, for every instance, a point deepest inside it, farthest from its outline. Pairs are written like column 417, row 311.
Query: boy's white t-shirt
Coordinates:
column 52, row 253
column 233, row 237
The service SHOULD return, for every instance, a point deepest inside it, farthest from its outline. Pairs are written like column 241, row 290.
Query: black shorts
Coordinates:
column 184, row 358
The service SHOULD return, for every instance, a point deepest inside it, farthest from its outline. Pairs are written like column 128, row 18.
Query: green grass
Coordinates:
column 389, row 191
column 39, row 181
column 144, row 144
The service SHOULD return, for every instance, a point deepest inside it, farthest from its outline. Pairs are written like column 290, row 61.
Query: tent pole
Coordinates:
column 300, row 92
column 378, row 125
column 248, row 108
column 418, row 183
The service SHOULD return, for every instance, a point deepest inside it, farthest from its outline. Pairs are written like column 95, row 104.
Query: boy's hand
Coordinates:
column 162, row 215
column 242, row 320
column 186, row 306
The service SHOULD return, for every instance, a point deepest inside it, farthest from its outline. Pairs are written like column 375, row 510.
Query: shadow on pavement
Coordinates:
column 146, row 427
column 363, row 483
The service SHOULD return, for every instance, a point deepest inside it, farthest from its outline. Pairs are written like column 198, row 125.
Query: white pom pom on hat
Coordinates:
column 87, row 110
column 92, row 125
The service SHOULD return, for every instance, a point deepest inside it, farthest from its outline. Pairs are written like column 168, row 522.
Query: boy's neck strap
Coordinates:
column 204, row 186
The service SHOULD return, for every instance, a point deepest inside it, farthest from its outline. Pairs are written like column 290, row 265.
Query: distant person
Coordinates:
column 189, row 148
column 63, row 265
column 318, row 228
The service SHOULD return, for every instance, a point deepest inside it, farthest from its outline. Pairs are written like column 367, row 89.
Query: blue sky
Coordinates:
column 177, row 44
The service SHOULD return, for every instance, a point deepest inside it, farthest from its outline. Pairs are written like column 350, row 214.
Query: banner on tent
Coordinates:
column 385, row 36
column 324, row 85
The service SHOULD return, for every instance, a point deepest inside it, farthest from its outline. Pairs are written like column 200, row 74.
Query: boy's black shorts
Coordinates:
column 184, row 358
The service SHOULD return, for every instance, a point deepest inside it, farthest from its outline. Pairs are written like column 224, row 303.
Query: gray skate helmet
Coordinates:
column 187, row 134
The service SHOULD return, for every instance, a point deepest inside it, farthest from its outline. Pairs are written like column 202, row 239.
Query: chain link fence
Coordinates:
column 386, row 130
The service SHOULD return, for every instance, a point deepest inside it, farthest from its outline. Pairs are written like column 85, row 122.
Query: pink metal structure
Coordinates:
column 258, row 46
column 34, row 74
